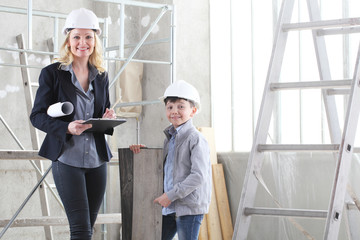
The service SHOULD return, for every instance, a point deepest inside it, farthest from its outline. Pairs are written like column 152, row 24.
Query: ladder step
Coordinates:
column 337, row 31
column 301, row 148
column 325, row 24
column 286, row 212
column 298, row 147
column 311, row 84
column 107, row 218
column 338, row 91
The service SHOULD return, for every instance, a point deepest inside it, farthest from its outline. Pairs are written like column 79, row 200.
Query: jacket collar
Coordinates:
column 184, row 128
column 98, row 84
column 66, row 84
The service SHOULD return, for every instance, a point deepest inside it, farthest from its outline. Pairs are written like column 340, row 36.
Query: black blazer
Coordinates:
column 55, row 86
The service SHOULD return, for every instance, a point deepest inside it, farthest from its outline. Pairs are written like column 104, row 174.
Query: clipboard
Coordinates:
column 103, row 124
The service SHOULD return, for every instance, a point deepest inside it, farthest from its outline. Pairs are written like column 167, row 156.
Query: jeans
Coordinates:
column 81, row 191
column 187, row 227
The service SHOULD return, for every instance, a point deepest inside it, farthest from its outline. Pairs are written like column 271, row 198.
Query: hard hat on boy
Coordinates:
column 182, row 89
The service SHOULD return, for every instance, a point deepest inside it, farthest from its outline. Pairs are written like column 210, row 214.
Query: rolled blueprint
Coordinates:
column 60, row 109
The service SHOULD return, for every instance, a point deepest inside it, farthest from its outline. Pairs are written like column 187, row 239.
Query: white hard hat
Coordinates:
column 182, row 89
column 82, row 18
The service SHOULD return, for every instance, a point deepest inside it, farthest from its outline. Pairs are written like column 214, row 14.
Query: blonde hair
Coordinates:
column 95, row 59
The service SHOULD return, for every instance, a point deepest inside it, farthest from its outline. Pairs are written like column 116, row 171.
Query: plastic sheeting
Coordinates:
column 295, row 180
column 130, row 89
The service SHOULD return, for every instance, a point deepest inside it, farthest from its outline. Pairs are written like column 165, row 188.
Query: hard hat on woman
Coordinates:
column 82, row 18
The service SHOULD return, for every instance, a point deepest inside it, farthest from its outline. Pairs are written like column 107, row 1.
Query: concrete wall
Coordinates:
column 192, row 59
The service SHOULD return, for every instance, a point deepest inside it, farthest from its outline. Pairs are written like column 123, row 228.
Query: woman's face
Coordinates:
column 81, row 42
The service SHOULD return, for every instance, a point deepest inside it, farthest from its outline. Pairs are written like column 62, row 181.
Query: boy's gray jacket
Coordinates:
column 192, row 180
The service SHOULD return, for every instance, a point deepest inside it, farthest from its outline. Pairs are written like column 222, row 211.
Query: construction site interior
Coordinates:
column 279, row 87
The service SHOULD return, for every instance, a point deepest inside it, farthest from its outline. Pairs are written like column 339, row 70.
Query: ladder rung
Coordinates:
column 298, row 147
column 302, row 148
column 339, row 31
column 286, row 212
column 32, row 155
column 338, row 91
column 337, row 23
column 108, row 218
column 313, row 84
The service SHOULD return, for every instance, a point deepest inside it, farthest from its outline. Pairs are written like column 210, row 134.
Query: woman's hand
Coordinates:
column 109, row 113
column 136, row 147
column 163, row 200
column 76, row 127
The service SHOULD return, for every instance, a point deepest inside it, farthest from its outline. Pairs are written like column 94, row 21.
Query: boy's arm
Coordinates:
column 200, row 171
column 136, row 147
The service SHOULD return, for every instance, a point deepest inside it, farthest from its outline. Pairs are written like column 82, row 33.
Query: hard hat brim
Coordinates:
column 67, row 30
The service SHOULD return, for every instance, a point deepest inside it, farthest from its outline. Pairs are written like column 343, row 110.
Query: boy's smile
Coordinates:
column 179, row 112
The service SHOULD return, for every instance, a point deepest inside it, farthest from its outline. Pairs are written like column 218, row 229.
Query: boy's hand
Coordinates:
column 163, row 200
column 136, row 147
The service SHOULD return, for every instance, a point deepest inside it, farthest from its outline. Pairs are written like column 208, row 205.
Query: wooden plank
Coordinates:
column 222, row 201
column 203, row 234
column 112, row 218
column 50, row 44
column 30, row 155
column 126, row 190
column 209, row 135
column 148, row 185
column 213, row 218
column 141, row 181
column 20, row 155
column 109, row 218
column 45, row 209
column 29, row 99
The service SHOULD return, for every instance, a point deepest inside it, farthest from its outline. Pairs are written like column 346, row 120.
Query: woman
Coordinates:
column 79, row 158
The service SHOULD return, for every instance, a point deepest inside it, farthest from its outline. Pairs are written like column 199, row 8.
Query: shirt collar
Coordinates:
column 92, row 72
column 173, row 131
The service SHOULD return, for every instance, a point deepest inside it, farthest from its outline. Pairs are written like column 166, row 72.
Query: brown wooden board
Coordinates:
column 222, row 201
column 126, row 189
column 213, row 218
column 203, row 234
column 210, row 138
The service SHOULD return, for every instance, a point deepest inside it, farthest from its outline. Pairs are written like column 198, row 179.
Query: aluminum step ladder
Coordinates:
column 342, row 143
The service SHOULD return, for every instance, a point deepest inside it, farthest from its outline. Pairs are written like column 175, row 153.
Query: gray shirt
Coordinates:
column 80, row 151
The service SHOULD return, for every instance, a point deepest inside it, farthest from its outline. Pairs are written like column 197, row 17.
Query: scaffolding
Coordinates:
column 46, row 220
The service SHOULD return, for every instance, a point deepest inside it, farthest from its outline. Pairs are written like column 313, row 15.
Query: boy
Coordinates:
column 187, row 167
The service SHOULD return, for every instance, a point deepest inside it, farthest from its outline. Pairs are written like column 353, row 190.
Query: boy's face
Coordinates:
column 179, row 112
